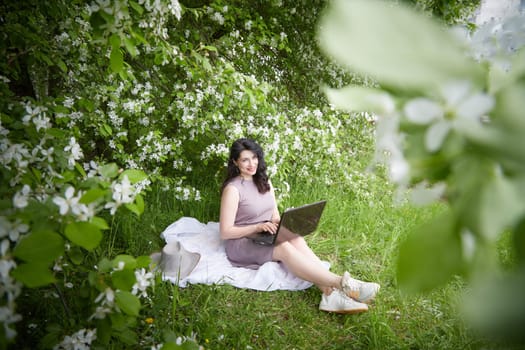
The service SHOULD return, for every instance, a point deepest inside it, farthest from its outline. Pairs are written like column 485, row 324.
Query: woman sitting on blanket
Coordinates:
column 248, row 205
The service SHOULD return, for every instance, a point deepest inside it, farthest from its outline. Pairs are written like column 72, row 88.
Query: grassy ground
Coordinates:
column 359, row 233
column 355, row 235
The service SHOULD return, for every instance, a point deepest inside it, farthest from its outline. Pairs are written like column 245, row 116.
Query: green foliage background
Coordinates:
column 102, row 98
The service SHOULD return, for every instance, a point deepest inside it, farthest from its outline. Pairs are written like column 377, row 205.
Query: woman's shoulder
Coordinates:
column 233, row 183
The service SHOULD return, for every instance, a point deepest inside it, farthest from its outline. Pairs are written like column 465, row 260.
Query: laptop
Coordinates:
column 301, row 220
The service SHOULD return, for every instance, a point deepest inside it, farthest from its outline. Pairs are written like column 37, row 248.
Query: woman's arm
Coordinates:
column 229, row 204
column 276, row 216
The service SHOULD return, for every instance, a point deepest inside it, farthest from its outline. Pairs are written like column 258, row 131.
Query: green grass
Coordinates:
column 357, row 235
column 354, row 235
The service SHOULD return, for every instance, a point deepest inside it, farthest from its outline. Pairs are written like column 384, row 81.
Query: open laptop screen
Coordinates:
column 302, row 220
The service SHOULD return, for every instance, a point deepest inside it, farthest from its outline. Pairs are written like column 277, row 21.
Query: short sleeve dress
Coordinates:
column 253, row 207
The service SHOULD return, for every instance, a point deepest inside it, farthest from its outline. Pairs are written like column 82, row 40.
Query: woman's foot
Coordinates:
column 339, row 302
column 363, row 292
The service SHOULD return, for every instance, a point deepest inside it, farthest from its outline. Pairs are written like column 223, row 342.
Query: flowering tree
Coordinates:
column 449, row 112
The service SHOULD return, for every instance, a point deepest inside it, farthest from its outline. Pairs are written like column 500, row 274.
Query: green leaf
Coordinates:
column 114, row 41
column 119, row 321
column 170, row 346
column 509, row 108
column 33, row 274
column 137, row 34
column 210, row 48
column 80, row 169
column 501, row 143
column 105, row 130
column 40, row 246
column 127, row 336
column 133, row 175
column 97, row 21
column 116, row 60
column 137, row 207
column 143, row 261
column 135, row 6
column 139, row 201
column 38, row 174
column 92, row 195
column 127, row 302
column 57, row 133
column 501, row 205
column 130, row 46
column 430, row 256
column 99, row 222
column 205, row 63
column 62, row 65
column 105, row 265
column 359, row 99
column 124, row 279
column 500, row 318
column 104, row 331
column 84, row 234
column 394, row 44
column 76, row 255
column 109, row 170
column 128, row 260
column 87, row 104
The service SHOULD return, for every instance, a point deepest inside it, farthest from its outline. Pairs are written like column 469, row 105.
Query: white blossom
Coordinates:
column 20, row 199
column 123, row 192
column 498, row 39
column 112, row 206
column 91, row 168
column 75, row 152
column 16, row 229
column 8, row 317
column 144, row 280
column 42, row 122
column 106, row 298
column 389, row 149
column 84, row 212
column 458, row 109
column 80, row 340
column 4, row 247
column 120, row 266
column 218, row 17
column 68, row 202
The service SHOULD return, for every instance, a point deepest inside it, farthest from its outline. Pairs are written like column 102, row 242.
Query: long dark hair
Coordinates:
column 260, row 178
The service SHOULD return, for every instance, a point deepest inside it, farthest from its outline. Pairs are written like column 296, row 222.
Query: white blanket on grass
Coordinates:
column 215, row 268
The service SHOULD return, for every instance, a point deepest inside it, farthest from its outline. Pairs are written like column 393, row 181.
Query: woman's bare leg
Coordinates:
column 304, row 266
column 301, row 245
column 298, row 242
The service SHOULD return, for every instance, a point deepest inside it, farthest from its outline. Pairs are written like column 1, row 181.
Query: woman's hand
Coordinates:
column 267, row 226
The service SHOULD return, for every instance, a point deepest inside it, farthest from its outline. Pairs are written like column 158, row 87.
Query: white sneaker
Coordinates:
column 364, row 292
column 340, row 303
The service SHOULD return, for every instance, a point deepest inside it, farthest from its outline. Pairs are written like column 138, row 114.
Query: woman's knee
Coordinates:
column 283, row 250
column 298, row 241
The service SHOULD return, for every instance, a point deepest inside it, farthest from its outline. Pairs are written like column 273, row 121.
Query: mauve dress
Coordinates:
column 254, row 207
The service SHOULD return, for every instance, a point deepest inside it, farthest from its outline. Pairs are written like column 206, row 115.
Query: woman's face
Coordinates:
column 247, row 163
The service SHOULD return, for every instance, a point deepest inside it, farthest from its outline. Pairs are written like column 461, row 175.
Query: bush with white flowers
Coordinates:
column 111, row 96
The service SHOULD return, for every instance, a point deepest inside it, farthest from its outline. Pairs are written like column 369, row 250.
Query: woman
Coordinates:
column 248, row 205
